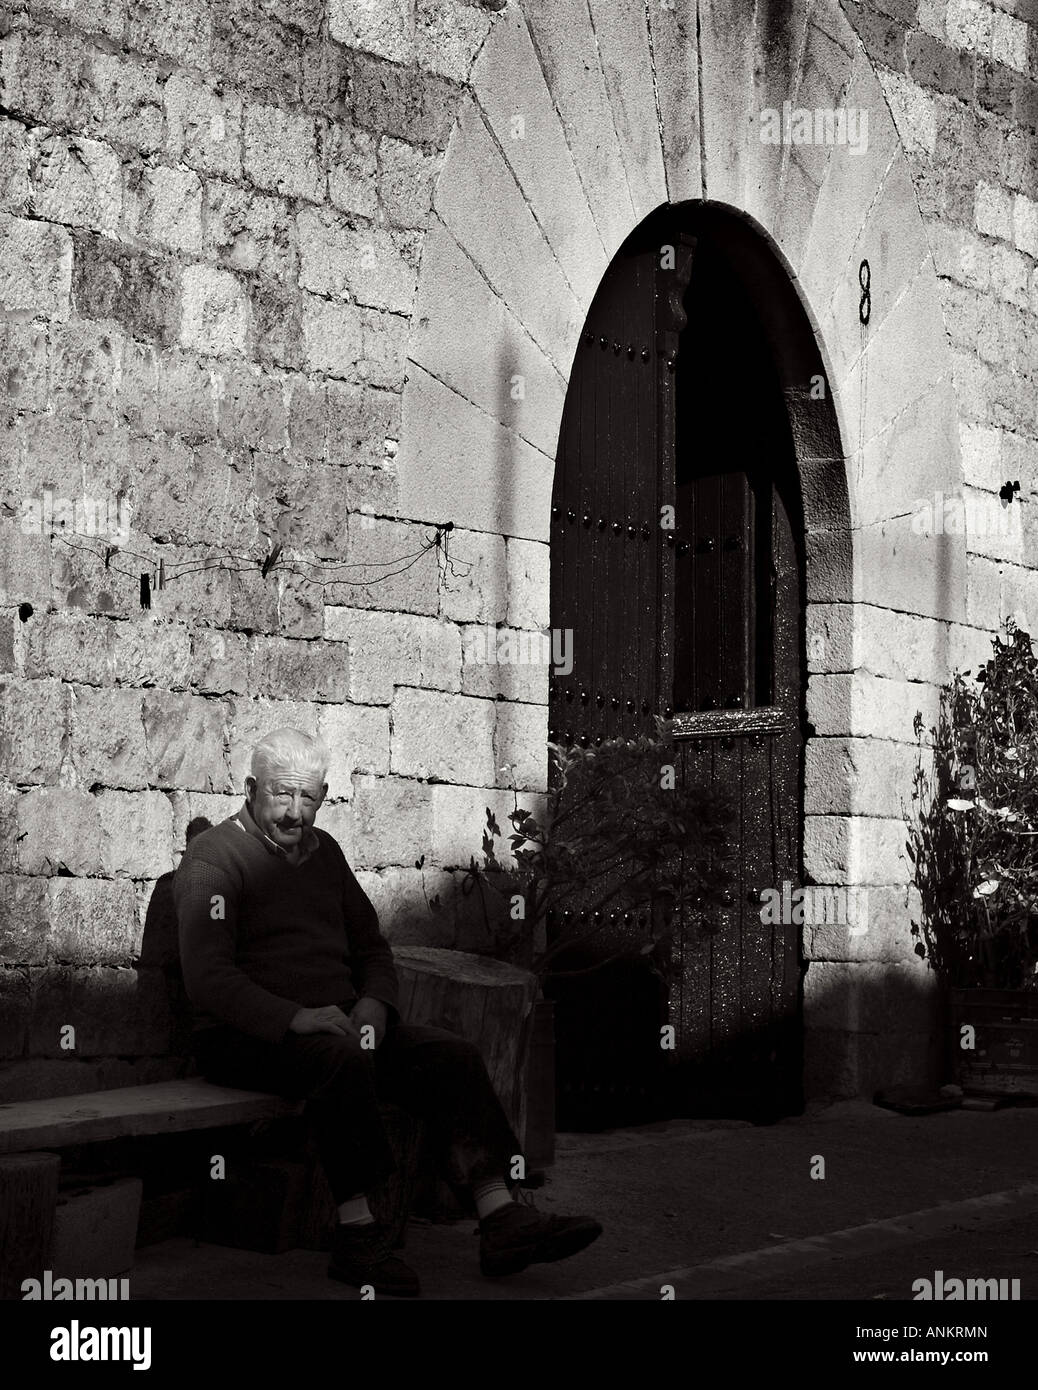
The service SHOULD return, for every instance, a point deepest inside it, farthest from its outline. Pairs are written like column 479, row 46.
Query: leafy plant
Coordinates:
column 975, row 848
column 621, row 839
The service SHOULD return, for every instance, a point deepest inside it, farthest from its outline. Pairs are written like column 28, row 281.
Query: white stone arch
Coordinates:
column 585, row 116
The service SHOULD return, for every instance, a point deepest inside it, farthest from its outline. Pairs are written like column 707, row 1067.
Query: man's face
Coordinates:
column 283, row 802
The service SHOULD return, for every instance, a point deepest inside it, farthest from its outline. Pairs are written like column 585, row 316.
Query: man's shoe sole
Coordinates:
column 560, row 1247
column 411, row 1291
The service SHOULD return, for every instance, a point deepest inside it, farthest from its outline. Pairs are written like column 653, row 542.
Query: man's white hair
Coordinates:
column 289, row 748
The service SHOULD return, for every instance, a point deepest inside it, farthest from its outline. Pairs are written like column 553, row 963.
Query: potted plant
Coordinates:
column 624, row 856
column 975, row 851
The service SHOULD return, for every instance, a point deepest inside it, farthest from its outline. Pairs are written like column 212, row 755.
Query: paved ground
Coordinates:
column 721, row 1210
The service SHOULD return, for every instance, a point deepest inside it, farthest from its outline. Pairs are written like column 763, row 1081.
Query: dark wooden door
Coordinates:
column 673, row 404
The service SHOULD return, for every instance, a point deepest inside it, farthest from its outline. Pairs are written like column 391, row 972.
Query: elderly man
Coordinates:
column 295, row 992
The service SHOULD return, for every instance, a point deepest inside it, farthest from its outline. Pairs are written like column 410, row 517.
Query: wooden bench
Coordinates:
column 483, row 1000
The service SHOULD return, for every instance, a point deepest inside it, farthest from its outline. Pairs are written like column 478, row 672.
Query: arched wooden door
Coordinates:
column 674, row 402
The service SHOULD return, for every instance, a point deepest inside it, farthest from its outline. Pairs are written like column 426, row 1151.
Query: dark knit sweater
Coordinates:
column 290, row 937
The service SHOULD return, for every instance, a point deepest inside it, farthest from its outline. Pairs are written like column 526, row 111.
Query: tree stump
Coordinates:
column 484, row 1001
column 28, row 1200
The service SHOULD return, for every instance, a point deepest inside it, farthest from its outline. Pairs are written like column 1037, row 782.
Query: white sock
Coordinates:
column 490, row 1196
column 355, row 1212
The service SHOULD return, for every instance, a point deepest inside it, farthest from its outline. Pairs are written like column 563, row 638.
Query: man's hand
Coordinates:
column 373, row 1011
column 327, row 1019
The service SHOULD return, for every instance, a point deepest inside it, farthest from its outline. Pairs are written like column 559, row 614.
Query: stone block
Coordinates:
column 24, row 920
column 881, row 918
column 934, row 64
column 968, row 25
column 139, row 292
column 91, row 921
column 352, row 170
column 54, row 830
column 203, row 130
column 993, row 211
column 190, row 492
column 358, row 739
column 182, row 32
column 439, row 428
column 387, row 650
column 123, row 101
column 406, row 179
column 253, row 52
column 336, row 817
column 392, row 567
column 277, row 324
column 281, row 153
column 383, row 27
column 626, row 59
column 333, row 338
column 564, row 39
column 84, row 361
column 24, row 363
column 869, row 997
column 477, row 590
column 33, row 721
column 364, row 264
column 858, row 776
column 150, row 653
column 383, row 350
column 251, row 411
column 36, row 272
column 505, row 663
column 1025, row 224
column 215, row 311
column 248, row 231
column 448, row 738
column 527, row 568
column 839, row 1065
column 106, row 17
column 456, row 316
column 391, row 821
column 312, row 671
column 448, row 36
column 859, row 850
column 869, row 706
column 42, row 75
column 25, row 574
column 107, row 738
column 218, row 662
column 459, row 817
column 520, row 744
column 404, row 103
column 185, row 739
column 326, row 78
column 76, row 182
column 344, row 423
column 136, row 834
column 164, row 206
column 476, row 196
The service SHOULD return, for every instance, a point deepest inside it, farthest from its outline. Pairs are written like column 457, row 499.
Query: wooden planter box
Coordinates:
column 1004, row 1059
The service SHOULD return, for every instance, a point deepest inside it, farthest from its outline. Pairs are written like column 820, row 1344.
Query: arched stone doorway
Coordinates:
column 582, row 121
column 678, row 565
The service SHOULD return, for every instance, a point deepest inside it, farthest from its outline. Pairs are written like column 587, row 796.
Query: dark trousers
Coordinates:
column 434, row 1075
